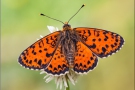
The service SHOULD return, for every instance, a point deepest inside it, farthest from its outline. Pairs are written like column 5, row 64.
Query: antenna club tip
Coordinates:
column 83, row 5
column 42, row 14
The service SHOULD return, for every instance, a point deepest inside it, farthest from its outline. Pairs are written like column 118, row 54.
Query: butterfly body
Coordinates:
column 68, row 40
column 77, row 49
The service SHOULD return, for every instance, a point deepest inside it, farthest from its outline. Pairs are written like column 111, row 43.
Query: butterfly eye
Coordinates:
column 66, row 26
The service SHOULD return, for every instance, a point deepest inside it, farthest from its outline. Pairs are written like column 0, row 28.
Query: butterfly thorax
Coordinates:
column 68, row 42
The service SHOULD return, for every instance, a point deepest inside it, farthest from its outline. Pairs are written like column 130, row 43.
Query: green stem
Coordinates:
column 67, row 88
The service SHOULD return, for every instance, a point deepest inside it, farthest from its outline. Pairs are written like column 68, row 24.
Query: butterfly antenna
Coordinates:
column 51, row 18
column 76, row 12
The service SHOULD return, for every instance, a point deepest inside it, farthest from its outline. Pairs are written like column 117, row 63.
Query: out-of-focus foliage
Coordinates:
column 21, row 24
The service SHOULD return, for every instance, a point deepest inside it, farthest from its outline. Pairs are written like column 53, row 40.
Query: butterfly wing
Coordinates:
column 85, row 60
column 39, row 54
column 58, row 64
column 101, row 42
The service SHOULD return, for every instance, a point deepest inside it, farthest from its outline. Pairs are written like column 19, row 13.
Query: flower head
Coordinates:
column 62, row 80
column 52, row 29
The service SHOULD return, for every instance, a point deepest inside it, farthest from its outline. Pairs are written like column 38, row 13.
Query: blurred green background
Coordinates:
column 21, row 25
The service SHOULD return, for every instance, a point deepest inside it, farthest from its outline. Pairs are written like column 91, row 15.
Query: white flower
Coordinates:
column 60, row 79
column 52, row 29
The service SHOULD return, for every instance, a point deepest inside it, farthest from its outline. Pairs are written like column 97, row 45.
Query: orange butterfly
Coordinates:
column 72, row 48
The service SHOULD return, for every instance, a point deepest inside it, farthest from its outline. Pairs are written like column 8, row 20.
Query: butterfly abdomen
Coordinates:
column 70, row 59
column 69, row 51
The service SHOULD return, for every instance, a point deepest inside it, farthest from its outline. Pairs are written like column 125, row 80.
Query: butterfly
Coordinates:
column 74, row 49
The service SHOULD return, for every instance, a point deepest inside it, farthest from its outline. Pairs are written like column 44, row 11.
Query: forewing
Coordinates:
column 101, row 42
column 85, row 60
column 39, row 54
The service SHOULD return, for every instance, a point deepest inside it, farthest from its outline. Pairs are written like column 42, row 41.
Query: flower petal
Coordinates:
column 52, row 29
column 49, row 79
column 65, row 81
column 70, row 78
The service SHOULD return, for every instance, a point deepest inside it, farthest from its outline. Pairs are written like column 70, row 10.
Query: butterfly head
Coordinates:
column 66, row 26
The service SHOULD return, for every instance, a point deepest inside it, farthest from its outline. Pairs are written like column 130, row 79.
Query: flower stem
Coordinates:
column 67, row 88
